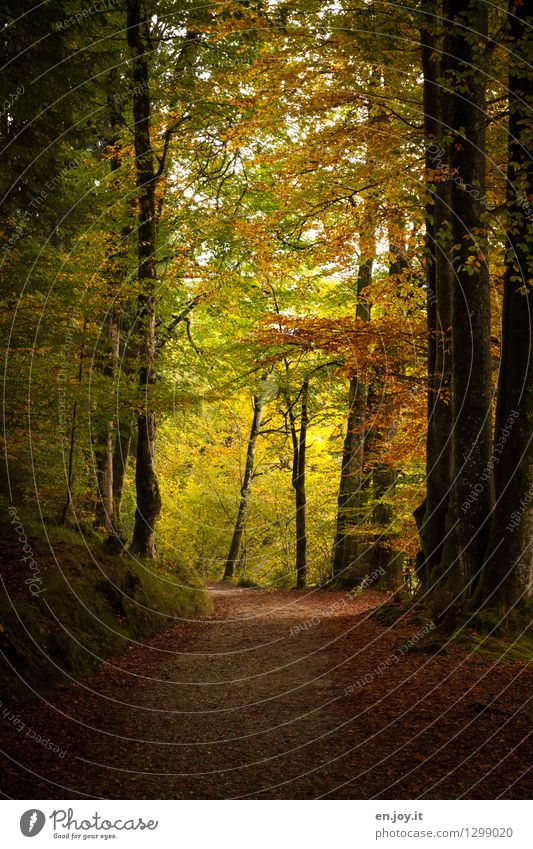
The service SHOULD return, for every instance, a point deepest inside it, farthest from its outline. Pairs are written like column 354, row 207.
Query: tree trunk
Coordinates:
column 348, row 513
column 70, row 466
column 105, row 445
column 348, row 504
column 120, row 464
column 431, row 515
column 233, row 554
column 104, row 479
column 471, row 362
column 72, row 437
column 383, row 558
column 298, row 482
column 508, row 571
column 147, row 488
column 116, row 272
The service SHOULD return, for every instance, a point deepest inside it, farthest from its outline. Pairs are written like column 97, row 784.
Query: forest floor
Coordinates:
column 279, row 694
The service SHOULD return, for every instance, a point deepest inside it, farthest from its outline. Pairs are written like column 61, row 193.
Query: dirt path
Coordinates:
column 281, row 695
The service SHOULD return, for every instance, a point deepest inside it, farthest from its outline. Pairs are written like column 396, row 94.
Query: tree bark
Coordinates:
column 348, row 514
column 72, row 437
column 70, row 466
column 104, row 448
column 120, row 464
column 465, row 45
column 298, row 482
column 508, row 571
column 147, row 488
column 348, row 504
column 383, row 558
column 431, row 515
column 116, row 272
column 233, row 554
column 104, row 479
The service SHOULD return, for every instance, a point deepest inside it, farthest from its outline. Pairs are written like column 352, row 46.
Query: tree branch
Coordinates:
column 176, row 319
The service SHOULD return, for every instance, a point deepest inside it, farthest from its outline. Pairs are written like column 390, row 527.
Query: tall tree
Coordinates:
column 299, row 451
column 240, row 523
column 382, row 476
column 459, row 421
column 121, row 453
column 147, row 487
column 350, row 497
column 116, row 272
column 465, row 47
column 508, row 573
column 431, row 514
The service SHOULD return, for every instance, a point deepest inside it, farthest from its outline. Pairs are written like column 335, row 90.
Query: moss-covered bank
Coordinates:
column 83, row 605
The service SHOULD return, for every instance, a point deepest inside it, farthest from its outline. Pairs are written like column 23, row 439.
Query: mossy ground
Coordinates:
column 498, row 634
column 519, row 647
column 91, row 606
column 485, row 634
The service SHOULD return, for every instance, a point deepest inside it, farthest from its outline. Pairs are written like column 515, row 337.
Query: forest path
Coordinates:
column 255, row 701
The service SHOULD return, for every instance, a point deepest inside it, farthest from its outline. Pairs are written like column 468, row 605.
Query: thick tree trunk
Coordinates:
column 348, row 505
column 465, row 45
column 384, row 558
column 508, row 571
column 350, row 488
column 383, row 476
column 147, row 487
column 431, row 515
column 233, row 554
